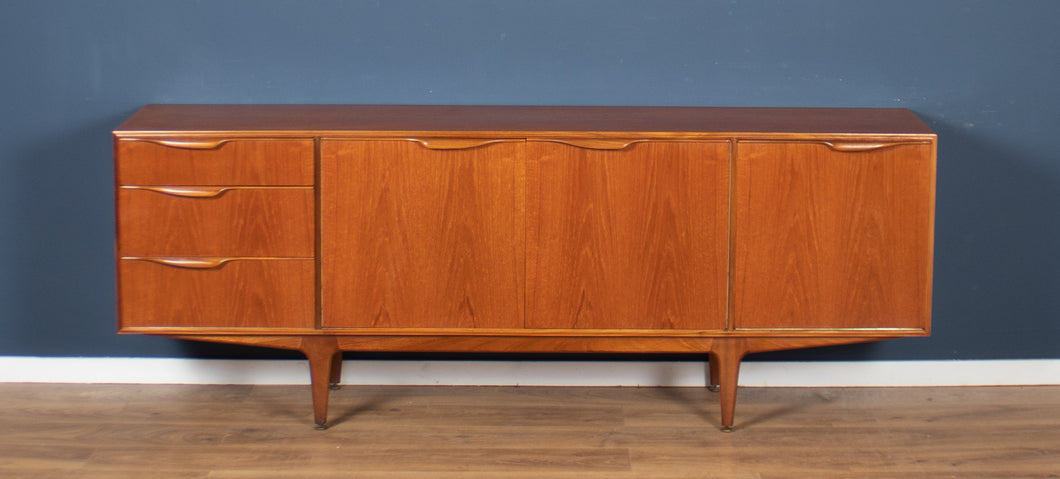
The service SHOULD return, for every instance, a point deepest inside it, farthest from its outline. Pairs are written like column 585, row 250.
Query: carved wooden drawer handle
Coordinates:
column 191, row 144
column 184, row 191
column 189, row 263
column 458, row 143
column 856, row 146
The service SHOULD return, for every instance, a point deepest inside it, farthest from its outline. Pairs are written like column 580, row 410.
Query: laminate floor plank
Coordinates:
column 93, row 472
column 42, row 456
column 125, row 392
column 203, row 459
column 483, row 459
column 470, row 475
column 232, row 432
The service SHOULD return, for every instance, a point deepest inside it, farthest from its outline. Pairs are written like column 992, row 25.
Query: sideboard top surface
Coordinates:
column 528, row 121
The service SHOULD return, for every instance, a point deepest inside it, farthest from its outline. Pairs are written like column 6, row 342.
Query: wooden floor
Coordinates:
column 108, row 431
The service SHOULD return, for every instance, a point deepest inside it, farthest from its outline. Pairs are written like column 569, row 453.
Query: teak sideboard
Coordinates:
column 330, row 228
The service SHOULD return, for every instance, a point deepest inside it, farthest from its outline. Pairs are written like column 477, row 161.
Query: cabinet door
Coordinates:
column 833, row 235
column 627, row 236
column 422, row 234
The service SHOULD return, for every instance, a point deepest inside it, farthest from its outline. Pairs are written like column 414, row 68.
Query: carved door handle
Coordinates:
column 857, row 146
column 190, row 144
column 596, row 143
column 189, row 263
column 458, row 143
column 184, row 191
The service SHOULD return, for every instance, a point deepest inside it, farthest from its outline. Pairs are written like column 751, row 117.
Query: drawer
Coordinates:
column 215, row 221
column 204, row 292
column 215, row 162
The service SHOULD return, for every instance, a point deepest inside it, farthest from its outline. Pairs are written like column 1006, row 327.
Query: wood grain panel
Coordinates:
column 627, row 238
column 240, row 293
column 236, row 222
column 833, row 239
column 214, row 161
column 417, row 237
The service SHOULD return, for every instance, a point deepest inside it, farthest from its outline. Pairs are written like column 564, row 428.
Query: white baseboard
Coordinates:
column 530, row 373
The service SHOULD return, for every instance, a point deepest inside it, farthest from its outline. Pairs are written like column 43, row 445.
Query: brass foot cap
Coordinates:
column 320, row 427
column 713, row 388
column 726, row 429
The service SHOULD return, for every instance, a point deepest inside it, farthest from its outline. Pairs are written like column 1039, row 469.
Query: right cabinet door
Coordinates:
column 833, row 235
column 626, row 235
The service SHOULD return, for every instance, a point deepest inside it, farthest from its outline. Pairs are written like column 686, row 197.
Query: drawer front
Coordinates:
column 207, row 221
column 270, row 293
column 215, row 162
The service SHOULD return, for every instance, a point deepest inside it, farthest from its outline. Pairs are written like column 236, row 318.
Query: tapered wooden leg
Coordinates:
column 321, row 352
column 728, row 354
column 336, row 371
column 713, row 365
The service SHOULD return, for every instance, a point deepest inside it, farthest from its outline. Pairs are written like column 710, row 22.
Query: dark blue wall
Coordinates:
column 984, row 74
